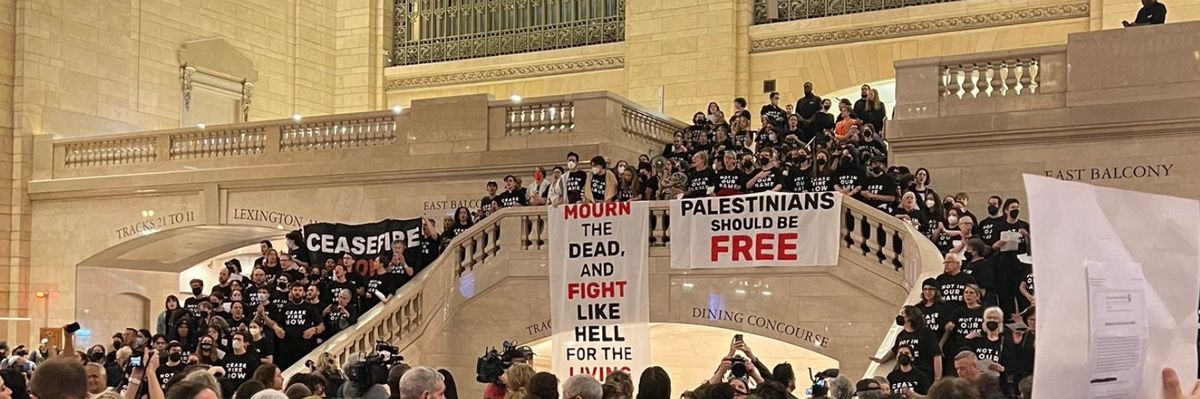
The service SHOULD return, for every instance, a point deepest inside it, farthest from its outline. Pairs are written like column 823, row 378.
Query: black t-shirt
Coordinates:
column 777, row 116
column 599, row 184
column 883, row 184
column 295, row 318
column 1153, row 14
column 914, row 379
column 988, row 231
column 193, row 305
column 333, row 287
column 1014, row 228
column 822, row 183
column 508, row 199
column 849, row 177
column 985, row 348
column 981, row 271
column 731, row 182
column 952, row 286
column 808, row 106
column 165, row 372
column 485, row 206
column 936, row 315
column 700, row 181
column 1029, row 281
column 924, row 345
column 265, row 346
column 333, row 320
column 574, row 186
column 239, row 368
column 967, row 321
column 799, row 180
column 279, row 298
column 384, row 283
column 767, row 182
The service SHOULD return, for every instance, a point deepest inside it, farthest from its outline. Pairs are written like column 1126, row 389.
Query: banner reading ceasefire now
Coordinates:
column 764, row 229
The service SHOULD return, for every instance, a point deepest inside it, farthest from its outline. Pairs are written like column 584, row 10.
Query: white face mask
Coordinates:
column 255, row 330
column 570, row 165
column 771, row 136
column 930, row 203
column 237, row 345
column 953, row 220
column 595, row 170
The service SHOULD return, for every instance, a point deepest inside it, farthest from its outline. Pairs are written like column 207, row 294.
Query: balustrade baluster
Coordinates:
column 898, row 248
column 982, row 83
column 952, row 72
column 942, row 77
column 1036, row 76
column 848, row 220
column 881, row 240
column 997, row 83
column 968, row 84
column 1026, row 76
column 864, row 229
column 1010, row 81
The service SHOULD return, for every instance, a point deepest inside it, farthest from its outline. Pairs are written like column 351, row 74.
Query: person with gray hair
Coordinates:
column 422, row 383
column 841, row 388
column 582, row 386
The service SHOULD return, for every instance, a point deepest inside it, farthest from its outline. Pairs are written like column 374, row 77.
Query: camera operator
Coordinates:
column 493, row 364
column 738, row 367
column 366, row 375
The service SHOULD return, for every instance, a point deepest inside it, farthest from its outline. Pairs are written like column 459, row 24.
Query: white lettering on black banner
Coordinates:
column 599, row 285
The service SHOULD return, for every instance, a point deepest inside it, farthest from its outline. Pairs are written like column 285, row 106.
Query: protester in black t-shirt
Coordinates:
column 240, row 364
column 879, row 189
column 174, row 364
column 822, row 179
column 1014, row 228
column 768, row 136
column 793, row 128
column 486, row 204
column 701, row 180
column 768, row 176
column 799, row 176
column 600, row 185
column 969, row 317
column 911, row 212
column 1013, row 239
column 775, row 115
column 337, row 283
column 988, row 342
column 848, row 175
column 263, row 341
column 279, row 294
column 573, row 185
column 926, row 355
column 1026, row 286
column 298, row 323
column 979, row 267
column 936, row 311
column 193, row 304
column 730, row 179
column 263, row 247
column 953, row 281
column 340, row 314
column 1151, row 13
column 380, row 286
column 987, row 226
column 511, row 196
column 906, row 376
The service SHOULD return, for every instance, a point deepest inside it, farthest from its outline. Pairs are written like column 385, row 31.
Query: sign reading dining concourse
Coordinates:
column 764, row 229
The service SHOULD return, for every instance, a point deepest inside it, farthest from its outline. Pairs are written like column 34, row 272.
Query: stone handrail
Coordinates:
column 865, row 233
column 588, row 118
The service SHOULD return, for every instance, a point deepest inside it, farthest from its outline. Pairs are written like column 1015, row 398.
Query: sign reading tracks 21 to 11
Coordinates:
column 764, row 229
column 599, row 288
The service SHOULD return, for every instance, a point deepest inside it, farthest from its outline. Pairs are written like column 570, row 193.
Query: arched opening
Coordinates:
column 691, row 353
column 150, row 268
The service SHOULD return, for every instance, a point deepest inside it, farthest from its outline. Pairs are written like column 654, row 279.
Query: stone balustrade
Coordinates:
column 878, row 242
column 429, row 128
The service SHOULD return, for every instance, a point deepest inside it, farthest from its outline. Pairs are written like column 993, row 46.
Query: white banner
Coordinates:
column 764, row 229
column 599, row 288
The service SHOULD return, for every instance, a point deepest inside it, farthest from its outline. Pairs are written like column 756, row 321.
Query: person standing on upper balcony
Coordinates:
column 1152, row 13
column 808, row 106
column 773, row 114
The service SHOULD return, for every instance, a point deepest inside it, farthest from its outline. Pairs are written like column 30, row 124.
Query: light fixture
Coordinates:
column 40, row 294
column 766, row 293
column 296, row 117
column 515, row 98
column 201, row 125
column 396, row 109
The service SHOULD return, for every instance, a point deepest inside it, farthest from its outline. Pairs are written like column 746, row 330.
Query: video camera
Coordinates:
column 819, row 386
column 492, row 364
column 373, row 369
column 739, row 366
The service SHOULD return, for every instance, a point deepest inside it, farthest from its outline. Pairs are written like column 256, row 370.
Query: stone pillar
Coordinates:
column 689, row 46
column 360, row 37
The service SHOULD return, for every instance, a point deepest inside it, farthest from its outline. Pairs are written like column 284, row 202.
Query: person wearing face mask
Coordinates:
column 767, row 177
column 701, row 179
column 822, row 179
column 601, row 184
column 539, row 191
column 207, row 352
column 573, row 185
column 700, row 127
column 767, row 137
column 968, row 318
column 730, row 179
column 173, row 365
column 926, row 355
column 298, row 323
column 906, row 376
column 980, row 268
column 279, row 293
column 262, row 341
column 1019, row 349
column 240, row 364
column 799, row 172
column 987, row 227
column 880, row 189
column 193, row 304
column 848, row 175
column 988, row 342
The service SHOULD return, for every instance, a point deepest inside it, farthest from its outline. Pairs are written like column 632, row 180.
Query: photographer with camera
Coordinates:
column 737, row 367
column 491, row 366
column 367, row 376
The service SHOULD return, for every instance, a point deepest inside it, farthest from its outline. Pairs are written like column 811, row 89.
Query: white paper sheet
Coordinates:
column 1117, row 309
column 1011, row 239
column 1072, row 223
